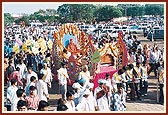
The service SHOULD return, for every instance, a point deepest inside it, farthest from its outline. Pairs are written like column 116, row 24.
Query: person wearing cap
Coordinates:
column 48, row 75
column 32, row 99
column 63, row 78
column 85, row 74
column 101, row 97
column 42, row 90
column 118, row 99
column 82, row 82
column 76, row 86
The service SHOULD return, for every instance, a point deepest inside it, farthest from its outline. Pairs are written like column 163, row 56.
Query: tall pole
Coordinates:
column 152, row 35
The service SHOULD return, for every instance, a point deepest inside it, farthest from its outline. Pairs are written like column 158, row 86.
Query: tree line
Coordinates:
column 88, row 13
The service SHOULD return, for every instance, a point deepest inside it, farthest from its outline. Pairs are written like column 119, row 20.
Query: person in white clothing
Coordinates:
column 109, row 84
column 85, row 104
column 47, row 73
column 85, row 74
column 69, row 101
column 28, row 75
column 20, row 96
column 63, row 77
column 92, row 101
column 76, row 86
column 42, row 90
column 23, row 68
column 11, row 94
column 101, row 97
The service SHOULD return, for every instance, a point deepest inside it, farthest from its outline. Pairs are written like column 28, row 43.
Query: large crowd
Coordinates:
column 28, row 76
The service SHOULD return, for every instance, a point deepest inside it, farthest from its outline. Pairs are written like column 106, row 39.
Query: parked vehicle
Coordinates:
column 138, row 30
column 35, row 24
column 125, row 29
column 156, row 33
column 87, row 28
column 112, row 33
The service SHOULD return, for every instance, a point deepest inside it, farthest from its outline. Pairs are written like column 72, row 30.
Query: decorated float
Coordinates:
column 77, row 49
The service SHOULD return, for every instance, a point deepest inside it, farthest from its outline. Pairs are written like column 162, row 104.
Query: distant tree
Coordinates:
column 141, row 11
column 76, row 12
column 24, row 19
column 48, row 15
column 64, row 12
column 107, row 12
column 154, row 9
column 125, row 7
column 135, row 11
column 8, row 19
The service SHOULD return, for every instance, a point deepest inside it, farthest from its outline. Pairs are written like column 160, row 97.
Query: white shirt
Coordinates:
column 14, row 105
column 29, row 75
column 109, row 84
column 92, row 102
column 85, row 75
column 83, row 105
column 144, row 74
column 152, row 57
column 158, row 55
column 70, row 105
column 140, row 47
column 11, row 94
column 62, row 76
column 141, row 58
column 101, row 102
column 47, row 73
column 42, row 90
column 23, row 69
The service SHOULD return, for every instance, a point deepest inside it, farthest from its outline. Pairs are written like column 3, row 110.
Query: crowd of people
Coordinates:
column 28, row 77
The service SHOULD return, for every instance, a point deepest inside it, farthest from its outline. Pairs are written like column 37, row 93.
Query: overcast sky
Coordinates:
column 28, row 8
